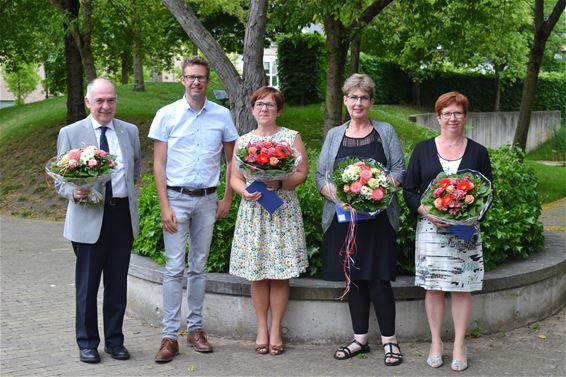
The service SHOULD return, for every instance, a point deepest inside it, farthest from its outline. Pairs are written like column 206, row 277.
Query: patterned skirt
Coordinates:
column 269, row 246
column 445, row 262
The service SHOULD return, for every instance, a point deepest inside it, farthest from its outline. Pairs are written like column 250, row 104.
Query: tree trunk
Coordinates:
column 85, row 45
column 125, row 66
column 238, row 89
column 355, row 54
column 75, row 83
column 337, row 42
column 417, row 92
column 542, row 32
column 139, row 85
column 497, row 101
column 69, row 10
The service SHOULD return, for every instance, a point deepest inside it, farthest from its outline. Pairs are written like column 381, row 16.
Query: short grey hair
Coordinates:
column 359, row 81
column 93, row 81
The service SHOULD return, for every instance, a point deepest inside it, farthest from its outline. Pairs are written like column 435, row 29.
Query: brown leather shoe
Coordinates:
column 197, row 339
column 168, row 349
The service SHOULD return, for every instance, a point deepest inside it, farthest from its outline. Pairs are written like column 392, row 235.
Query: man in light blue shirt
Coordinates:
column 189, row 136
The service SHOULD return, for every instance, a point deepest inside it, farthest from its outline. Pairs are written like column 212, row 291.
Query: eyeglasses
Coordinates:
column 362, row 99
column 192, row 78
column 269, row 105
column 448, row 115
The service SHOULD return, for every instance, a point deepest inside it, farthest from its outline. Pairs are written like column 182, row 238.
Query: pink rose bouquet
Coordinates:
column 458, row 199
column 83, row 168
column 363, row 185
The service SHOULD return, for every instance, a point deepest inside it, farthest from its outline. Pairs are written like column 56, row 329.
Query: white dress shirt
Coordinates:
column 119, row 177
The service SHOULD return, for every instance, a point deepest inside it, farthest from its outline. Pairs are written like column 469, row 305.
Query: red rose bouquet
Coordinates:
column 458, row 199
column 267, row 160
column 82, row 168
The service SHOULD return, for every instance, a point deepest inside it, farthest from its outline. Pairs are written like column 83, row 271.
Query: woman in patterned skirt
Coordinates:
column 269, row 249
column 444, row 262
column 375, row 258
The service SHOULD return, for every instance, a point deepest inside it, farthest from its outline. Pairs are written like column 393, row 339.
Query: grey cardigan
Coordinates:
column 395, row 165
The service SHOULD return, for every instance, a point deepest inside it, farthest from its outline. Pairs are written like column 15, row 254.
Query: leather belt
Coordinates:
column 117, row 202
column 196, row 192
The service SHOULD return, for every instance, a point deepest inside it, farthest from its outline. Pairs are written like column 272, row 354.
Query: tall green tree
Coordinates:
column 80, row 29
column 238, row 88
column 428, row 36
column 21, row 81
column 542, row 29
column 343, row 22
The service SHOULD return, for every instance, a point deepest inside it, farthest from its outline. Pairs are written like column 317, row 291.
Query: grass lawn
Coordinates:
column 28, row 136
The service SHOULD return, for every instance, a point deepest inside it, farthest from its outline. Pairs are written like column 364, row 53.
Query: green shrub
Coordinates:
column 511, row 227
column 299, row 64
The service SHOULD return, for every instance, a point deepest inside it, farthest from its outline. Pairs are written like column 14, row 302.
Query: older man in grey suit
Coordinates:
column 102, row 235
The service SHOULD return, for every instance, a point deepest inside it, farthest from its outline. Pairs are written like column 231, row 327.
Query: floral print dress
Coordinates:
column 269, row 246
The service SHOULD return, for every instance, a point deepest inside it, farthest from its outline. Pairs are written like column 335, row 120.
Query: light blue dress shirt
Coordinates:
column 194, row 142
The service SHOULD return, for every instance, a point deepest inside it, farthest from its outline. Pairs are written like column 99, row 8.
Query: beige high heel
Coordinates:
column 460, row 365
column 436, row 361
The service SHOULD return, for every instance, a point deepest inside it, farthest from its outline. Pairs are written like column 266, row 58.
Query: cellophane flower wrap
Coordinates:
column 267, row 160
column 458, row 199
column 363, row 184
column 82, row 168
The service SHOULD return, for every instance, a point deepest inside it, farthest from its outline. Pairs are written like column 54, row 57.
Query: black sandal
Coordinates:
column 398, row 356
column 364, row 348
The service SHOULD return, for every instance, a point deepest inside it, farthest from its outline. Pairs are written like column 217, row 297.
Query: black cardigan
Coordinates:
column 424, row 166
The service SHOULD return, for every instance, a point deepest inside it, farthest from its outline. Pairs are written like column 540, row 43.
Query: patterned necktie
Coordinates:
column 104, row 147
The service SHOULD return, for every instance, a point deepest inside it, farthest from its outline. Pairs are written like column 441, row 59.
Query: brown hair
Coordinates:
column 450, row 98
column 195, row 60
column 264, row 91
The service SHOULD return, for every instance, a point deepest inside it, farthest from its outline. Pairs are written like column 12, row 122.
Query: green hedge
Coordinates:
column 511, row 227
column 395, row 87
column 299, row 67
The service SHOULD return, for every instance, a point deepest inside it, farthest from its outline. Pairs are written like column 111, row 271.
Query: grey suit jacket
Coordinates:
column 395, row 165
column 83, row 223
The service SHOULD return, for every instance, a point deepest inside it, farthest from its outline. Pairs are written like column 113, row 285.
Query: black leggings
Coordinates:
column 381, row 294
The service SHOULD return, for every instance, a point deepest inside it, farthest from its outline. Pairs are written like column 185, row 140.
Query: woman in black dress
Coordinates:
column 375, row 256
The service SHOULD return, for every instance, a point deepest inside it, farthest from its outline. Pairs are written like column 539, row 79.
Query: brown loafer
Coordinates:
column 168, row 349
column 197, row 339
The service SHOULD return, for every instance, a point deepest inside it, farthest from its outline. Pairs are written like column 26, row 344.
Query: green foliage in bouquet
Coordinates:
column 445, row 203
column 368, row 193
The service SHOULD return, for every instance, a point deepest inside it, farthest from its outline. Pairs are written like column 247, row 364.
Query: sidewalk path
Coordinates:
column 37, row 329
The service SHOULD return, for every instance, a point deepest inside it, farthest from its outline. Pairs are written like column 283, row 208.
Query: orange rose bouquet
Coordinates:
column 458, row 199
column 267, row 160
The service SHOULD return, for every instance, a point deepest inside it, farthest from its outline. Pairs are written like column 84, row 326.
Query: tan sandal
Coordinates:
column 262, row 349
column 276, row 350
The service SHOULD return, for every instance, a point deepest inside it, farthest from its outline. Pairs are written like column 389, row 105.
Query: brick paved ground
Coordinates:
column 37, row 331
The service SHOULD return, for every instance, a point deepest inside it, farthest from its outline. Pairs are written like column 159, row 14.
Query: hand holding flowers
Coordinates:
column 82, row 168
column 363, row 185
column 267, row 160
column 458, row 199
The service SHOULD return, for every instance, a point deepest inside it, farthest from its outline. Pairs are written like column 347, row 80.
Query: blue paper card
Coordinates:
column 344, row 215
column 463, row 231
column 269, row 200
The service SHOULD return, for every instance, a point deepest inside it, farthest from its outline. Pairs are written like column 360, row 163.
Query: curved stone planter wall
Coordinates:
column 517, row 293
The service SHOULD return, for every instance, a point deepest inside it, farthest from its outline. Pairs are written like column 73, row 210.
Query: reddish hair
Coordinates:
column 264, row 91
column 450, row 98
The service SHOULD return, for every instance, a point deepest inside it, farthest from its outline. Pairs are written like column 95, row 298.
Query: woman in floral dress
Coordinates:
column 269, row 249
